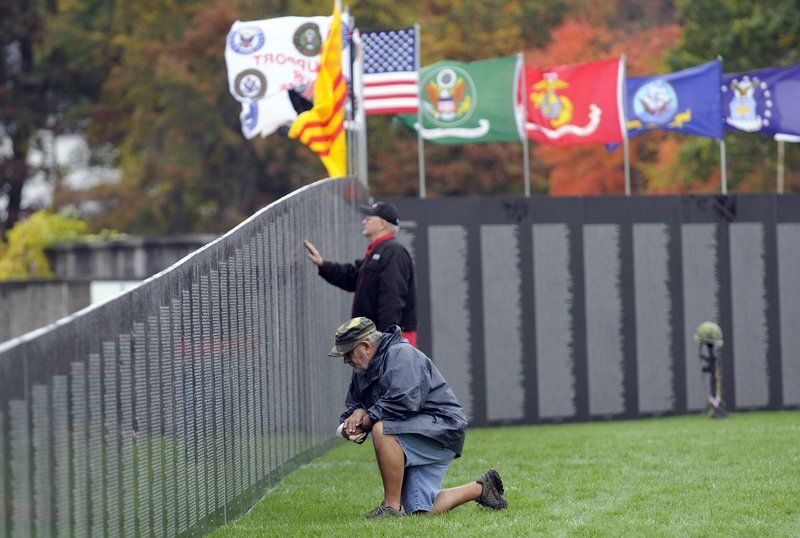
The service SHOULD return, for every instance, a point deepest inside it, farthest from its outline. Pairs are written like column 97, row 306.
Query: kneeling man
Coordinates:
column 417, row 425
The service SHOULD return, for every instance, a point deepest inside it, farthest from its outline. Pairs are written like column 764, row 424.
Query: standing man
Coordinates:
column 382, row 281
column 417, row 425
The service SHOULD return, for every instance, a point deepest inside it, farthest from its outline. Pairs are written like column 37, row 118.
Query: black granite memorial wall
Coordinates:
column 566, row 309
column 172, row 408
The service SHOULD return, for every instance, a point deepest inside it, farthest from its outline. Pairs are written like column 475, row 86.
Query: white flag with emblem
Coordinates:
column 265, row 59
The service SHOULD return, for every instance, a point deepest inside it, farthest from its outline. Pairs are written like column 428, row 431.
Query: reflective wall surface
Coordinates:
column 172, row 408
column 559, row 309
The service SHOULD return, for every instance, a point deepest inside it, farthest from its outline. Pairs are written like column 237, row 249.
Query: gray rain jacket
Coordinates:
column 403, row 388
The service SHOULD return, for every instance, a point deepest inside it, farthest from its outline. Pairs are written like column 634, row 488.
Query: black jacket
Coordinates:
column 383, row 284
column 404, row 389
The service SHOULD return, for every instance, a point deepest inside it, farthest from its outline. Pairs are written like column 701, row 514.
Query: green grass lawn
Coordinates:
column 672, row 476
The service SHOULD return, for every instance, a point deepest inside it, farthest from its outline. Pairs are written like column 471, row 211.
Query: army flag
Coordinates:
column 468, row 102
column 575, row 104
column 685, row 101
column 322, row 127
column 762, row 101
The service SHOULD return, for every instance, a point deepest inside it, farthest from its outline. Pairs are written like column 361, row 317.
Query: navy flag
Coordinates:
column 762, row 101
column 686, row 102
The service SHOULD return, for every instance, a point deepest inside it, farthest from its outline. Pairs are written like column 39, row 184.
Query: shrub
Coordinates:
column 23, row 256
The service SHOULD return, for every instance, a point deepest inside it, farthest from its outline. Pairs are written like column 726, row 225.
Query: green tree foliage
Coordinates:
column 55, row 57
column 165, row 105
column 147, row 78
column 465, row 31
column 747, row 35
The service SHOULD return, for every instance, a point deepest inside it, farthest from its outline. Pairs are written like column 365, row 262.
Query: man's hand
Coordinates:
column 353, row 424
column 313, row 254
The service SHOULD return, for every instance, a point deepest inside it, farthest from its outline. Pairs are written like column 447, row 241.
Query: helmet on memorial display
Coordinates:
column 709, row 332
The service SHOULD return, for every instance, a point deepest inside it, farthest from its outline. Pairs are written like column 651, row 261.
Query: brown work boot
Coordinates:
column 384, row 510
column 492, row 494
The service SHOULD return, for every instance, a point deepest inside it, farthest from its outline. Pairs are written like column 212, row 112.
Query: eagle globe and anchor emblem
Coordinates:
column 557, row 110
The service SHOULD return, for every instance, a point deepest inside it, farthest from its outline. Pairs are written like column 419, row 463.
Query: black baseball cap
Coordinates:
column 384, row 210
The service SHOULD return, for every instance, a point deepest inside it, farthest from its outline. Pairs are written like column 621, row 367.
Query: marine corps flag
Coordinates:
column 322, row 127
column 575, row 104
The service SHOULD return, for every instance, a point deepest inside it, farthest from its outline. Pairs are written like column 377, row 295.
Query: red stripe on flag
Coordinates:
column 390, row 83
column 337, row 85
column 389, row 96
column 326, row 152
column 378, row 111
column 325, row 137
column 322, row 123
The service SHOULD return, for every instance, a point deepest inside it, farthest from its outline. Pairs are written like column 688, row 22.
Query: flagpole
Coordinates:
column 627, row 166
column 361, row 119
column 723, row 166
column 624, row 120
column 526, row 164
column 781, row 164
column 420, row 139
column 349, row 124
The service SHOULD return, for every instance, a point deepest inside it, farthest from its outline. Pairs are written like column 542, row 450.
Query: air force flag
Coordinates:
column 686, row 102
column 762, row 101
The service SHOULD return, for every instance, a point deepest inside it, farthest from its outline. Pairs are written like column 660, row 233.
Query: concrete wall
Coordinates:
column 87, row 273
column 25, row 306
column 133, row 258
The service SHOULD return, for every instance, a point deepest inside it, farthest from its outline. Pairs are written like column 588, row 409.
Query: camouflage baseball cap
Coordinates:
column 349, row 334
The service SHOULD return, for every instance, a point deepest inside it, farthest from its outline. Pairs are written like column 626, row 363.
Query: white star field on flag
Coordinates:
column 391, row 75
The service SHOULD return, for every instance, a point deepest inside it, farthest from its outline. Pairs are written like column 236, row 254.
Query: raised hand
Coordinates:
column 313, row 254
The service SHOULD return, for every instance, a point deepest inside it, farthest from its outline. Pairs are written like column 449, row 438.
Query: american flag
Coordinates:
column 391, row 73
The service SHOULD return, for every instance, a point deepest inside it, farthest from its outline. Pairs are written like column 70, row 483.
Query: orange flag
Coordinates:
column 322, row 127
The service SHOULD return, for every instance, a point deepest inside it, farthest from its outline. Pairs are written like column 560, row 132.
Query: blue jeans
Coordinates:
column 426, row 463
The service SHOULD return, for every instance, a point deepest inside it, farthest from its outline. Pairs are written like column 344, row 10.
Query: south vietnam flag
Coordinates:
column 322, row 127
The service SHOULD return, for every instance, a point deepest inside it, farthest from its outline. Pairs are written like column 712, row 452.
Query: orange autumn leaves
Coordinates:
column 591, row 169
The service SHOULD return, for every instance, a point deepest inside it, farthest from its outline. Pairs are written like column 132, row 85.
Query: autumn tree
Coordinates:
column 464, row 31
column 592, row 169
column 748, row 35
column 28, row 99
column 147, row 79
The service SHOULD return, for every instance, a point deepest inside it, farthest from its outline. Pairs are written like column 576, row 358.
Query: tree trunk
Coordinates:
column 14, row 173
